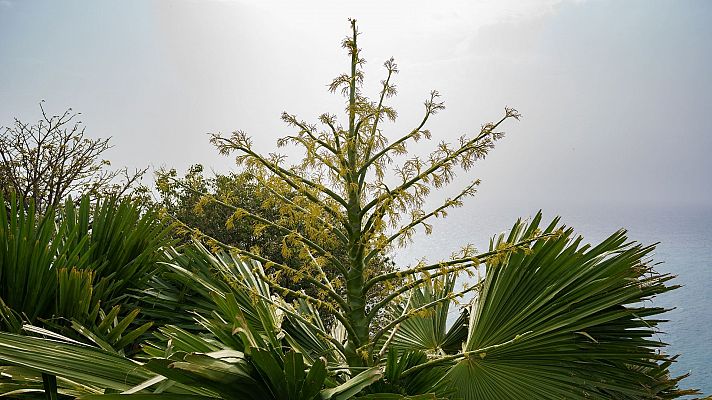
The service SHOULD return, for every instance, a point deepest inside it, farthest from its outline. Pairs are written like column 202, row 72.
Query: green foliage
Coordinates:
column 29, row 254
column 247, row 361
column 563, row 319
column 195, row 201
column 341, row 192
column 421, row 324
column 74, row 262
column 553, row 319
column 210, row 207
column 349, row 209
column 93, row 368
column 239, row 309
column 122, row 243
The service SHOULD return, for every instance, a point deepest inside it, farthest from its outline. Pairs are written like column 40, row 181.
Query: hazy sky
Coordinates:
column 616, row 95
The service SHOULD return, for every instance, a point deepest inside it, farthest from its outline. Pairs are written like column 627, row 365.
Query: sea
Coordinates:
column 684, row 234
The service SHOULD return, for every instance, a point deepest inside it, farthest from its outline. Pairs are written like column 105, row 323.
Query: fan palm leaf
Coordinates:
column 560, row 319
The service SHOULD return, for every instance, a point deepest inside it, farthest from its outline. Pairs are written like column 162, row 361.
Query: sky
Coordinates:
column 615, row 96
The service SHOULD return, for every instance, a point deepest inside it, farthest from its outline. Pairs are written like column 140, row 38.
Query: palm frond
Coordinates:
column 425, row 330
column 560, row 319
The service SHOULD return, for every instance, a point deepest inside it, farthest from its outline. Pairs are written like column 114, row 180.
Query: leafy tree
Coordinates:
column 206, row 204
column 198, row 202
column 52, row 159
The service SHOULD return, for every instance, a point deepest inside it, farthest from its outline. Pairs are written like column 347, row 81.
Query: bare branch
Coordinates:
column 50, row 160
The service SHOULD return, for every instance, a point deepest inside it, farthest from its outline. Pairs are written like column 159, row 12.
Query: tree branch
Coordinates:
column 314, row 153
column 295, row 314
column 288, row 176
column 291, row 119
column 269, row 263
column 474, row 260
column 415, row 283
column 454, row 202
column 326, row 224
column 301, row 295
column 273, row 224
column 437, row 164
column 391, row 67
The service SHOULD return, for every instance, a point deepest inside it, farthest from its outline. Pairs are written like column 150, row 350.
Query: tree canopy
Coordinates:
column 205, row 205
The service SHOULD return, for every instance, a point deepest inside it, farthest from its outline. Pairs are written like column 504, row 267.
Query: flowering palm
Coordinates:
column 550, row 318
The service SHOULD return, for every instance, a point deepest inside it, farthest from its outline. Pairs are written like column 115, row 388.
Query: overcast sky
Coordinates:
column 616, row 96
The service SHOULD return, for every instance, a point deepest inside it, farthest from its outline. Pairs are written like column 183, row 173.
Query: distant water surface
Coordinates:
column 685, row 250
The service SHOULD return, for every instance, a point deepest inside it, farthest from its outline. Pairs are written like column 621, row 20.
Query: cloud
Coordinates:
column 406, row 25
column 428, row 15
column 5, row 3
